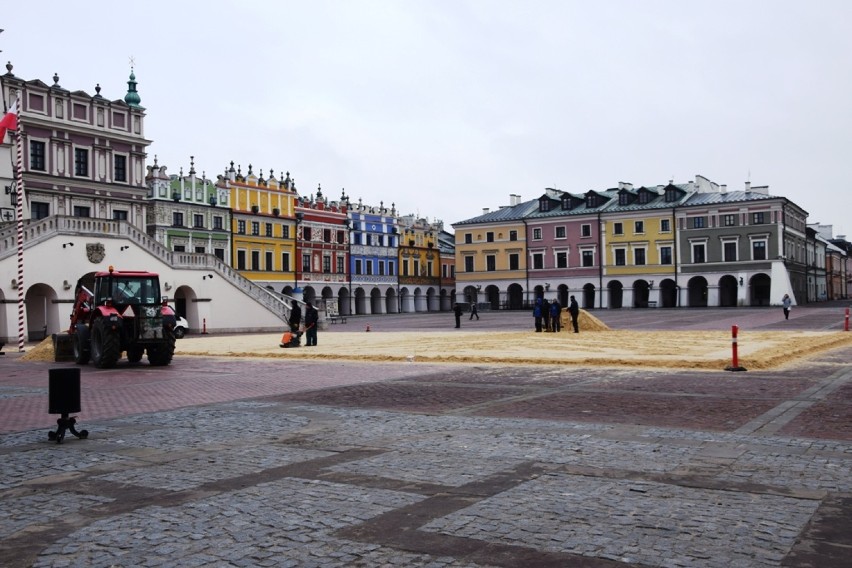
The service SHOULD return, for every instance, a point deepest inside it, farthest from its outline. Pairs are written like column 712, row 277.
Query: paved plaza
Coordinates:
column 263, row 462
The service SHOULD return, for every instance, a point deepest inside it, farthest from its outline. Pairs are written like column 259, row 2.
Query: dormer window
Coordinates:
column 623, row 198
column 544, row 204
column 645, row 197
column 567, row 203
column 591, row 200
column 672, row 194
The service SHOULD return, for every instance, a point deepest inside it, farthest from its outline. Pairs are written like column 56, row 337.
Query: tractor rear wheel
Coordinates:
column 106, row 345
column 161, row 354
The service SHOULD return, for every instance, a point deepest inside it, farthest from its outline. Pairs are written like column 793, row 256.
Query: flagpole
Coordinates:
column 19, row 214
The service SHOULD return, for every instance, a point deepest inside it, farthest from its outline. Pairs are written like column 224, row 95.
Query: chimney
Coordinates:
column 723, row 188
column 485, row 210
column 748, row 186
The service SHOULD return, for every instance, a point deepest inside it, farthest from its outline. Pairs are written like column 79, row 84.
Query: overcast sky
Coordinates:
column 447, row 107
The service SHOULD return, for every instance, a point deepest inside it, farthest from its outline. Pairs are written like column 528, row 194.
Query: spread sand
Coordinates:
column 596, row 345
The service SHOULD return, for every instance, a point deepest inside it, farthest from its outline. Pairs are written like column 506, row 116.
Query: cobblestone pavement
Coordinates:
column 211, row 462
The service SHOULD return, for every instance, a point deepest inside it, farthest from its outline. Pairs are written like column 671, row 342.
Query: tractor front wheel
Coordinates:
column 106, row 345
column 161, row 354
column 81, row 352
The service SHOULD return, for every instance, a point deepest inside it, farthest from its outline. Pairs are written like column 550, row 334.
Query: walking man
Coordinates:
column 473, row 310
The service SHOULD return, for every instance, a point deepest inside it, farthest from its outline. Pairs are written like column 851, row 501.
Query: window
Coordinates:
column 306, row 263
column 391, row 268
column 644, row 197
column 306, row 233
column 617, row 229
column 758, row 218
column 201, row 250
column 255, row 260
column 177, row 219
column 217, row 222
column 560, row 232
column 81, row 162
column 638, row 227
column 729, row 251
column 341, row 236
column 538, row 261
column 241, row 260
column 729, row 220
column 491, row 263
column 119, row 215
column 285, row 231
column 513, row 235
column 468, row 264
column 241, row 227
column 326, row 265
column 270, row 266
column 489, row 236
column 180, row 248
column 620, row 257
column 198, row 221
column 468, row 238
column 562, row 259
column 639, row 256
column 665, row 225
column 326, row 236
column 536, row 234
column 358, row 264
column 381, row 268
column 698, row 223
column 544, row 205
column 37, row 155
column 699, row 254
column 268, row 229
column 120, row 168
column 514, row 261
column 665, row 255
column 81, row 211
column 758, row 250
column 39, row 210
column 285, row 261
column 369, row 240
column 588, row 258
column 429, row 269
column 585, row 230
column 416, row 271
column 220, row 254
column 341, row 267
column 255, row 228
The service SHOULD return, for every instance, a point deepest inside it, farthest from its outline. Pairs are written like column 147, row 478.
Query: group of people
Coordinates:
column 548, row 315
column 291, row 338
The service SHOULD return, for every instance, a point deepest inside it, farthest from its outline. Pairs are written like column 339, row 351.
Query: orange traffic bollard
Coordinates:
column 735, row 362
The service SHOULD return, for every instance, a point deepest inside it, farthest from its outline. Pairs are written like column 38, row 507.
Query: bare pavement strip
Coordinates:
column 284, row 461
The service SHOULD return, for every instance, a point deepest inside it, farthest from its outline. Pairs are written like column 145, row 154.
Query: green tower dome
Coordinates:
column 132, row 98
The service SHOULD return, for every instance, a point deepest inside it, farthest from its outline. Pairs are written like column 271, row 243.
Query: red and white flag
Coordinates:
column 9, row 121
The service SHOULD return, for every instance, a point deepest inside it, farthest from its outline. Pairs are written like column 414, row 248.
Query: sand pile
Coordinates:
column 595, row 345
column 41, row 352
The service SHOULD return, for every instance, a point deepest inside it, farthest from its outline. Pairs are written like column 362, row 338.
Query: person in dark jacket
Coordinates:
column 574, row 310
column 311, row 319
column 295, row 316
column 457, row 310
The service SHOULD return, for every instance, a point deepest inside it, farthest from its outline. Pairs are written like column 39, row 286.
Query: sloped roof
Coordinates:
column 714, row 198
column 511, row 213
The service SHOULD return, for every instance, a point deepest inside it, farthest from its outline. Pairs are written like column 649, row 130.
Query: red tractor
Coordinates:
column 124, row 313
